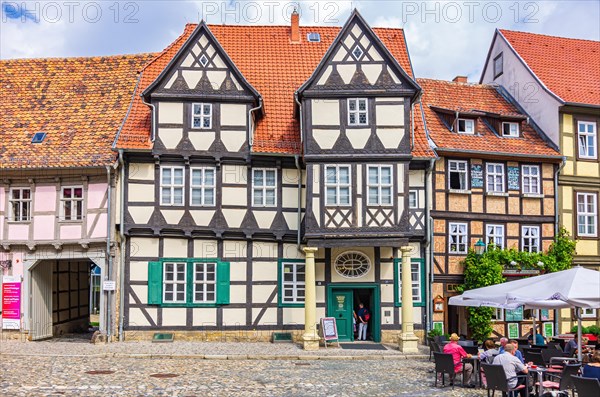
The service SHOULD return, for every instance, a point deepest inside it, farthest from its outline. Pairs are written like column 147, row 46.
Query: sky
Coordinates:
column 445, row 38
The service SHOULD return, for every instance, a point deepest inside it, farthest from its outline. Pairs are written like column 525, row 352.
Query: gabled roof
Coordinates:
column 274, row 66
column 483, row 102
column 80, row 103
column 569, row 68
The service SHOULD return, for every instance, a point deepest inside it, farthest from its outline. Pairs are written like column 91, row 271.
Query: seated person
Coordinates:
column 457, row 354
column 592, row 369
column 511, row 365
column 539, row 339
column 518, row 353
column 571, row 347
column 503, row 342
column 489, row 353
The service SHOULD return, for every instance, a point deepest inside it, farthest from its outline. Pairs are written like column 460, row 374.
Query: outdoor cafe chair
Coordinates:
column 434, row 347
column 551, row 359
column 554, row 345
column 586, row 387
column 534, row 357
column 472, row 350
column 444, row 364
column 565, row 380
column 496, row 380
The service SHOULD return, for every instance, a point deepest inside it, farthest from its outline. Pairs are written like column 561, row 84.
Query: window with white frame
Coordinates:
column 205, row 282
column 495, row 177
column 292, row 282
column 415, row 278
column 457, row 238
column 202, row 189
column 498, row 314
column 587, row 214
column 588, row 313
column 264, row 187
column 71, row 200
column 174, row 279
column 413, row 199
column 379, row 184
column 20, row 204
column 530, row 238
column 531, row 179
column 457, row 174
column 510, row 129
column 202, row 115
column 337, row 184
column 171, row 185
column 588, row 139
column 494, row 234
column 358, row 113
column 466, row 126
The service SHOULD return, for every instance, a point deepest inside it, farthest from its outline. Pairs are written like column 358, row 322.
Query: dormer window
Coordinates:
column 357, row 111
column 202, row 115
column 510, row 129
column 466, row 126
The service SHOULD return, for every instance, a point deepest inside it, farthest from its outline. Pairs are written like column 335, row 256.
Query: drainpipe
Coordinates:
column 108, row 255
column 297, row 161
column 557, row 225
column 153, row 117
column 122, row 293
column 428, row 240
column 251, row 120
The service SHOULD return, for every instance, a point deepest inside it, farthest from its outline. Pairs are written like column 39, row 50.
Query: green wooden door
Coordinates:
column 340, row 307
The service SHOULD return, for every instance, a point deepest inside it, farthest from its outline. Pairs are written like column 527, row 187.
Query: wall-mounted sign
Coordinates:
column 520, row 272
column 439, row 326
column 513, row 178
column 513, row 330
column 438, row 304
column 548, row 330
column 11, row 302
column 544, row 314
column 514, row 315
column 109, row 285
column 476, row 176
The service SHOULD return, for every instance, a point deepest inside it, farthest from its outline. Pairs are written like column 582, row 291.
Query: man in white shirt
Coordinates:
column 512, row 365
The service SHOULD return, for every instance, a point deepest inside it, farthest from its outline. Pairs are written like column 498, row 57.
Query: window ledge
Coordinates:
column 497, row 194
column 459, row 191
column 73, row 221
column 533, row 195
column 18, row 222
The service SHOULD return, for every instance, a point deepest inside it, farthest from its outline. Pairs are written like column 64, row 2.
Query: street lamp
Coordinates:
column 479, row 247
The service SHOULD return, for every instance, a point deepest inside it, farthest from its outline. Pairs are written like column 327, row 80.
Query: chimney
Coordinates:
column 295, row 36
column 460, row 79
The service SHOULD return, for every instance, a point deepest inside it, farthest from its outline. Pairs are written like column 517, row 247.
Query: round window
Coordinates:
column 352, row 264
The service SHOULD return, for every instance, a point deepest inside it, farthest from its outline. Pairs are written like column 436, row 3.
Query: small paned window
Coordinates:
column 413, row 199
column 415, row 279
column 531, row 179
column 510, row 129
column 203, row 186
column 457, row 174
column 20, row 204
column 495, row 177
column 171, row 186
column 205, row 282
column 352, row 264
column 357, row 53
column 380, row 185
column 530, row 238
column 358, row 113
column 292, row 285
column 202, row 115
column 494, row 234
column 498, row 65
column 466, row 126
column 174, row 280
column 203, row 60
column 498, row 314
column 588, row 313
column 457, row 238
column 587, row 214
column 337, row 185
column 588, row 140
column 264, row 187
column 72, row 203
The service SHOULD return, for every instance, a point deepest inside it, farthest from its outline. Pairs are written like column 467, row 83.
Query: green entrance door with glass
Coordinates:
column 343, row 300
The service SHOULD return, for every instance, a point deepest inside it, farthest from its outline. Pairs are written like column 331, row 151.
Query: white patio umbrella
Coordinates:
column 577, row 288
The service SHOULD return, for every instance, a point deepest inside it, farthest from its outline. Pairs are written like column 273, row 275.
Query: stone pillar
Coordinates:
column 407, row 342
column 310, row 338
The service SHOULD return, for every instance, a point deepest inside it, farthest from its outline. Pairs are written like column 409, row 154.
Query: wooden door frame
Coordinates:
column 375, row 310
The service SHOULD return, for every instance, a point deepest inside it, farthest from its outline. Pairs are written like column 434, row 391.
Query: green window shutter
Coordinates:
column 155, row 274
column 222, row 283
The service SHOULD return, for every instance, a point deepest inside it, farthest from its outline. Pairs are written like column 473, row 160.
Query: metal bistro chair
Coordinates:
column 586, row 387
column 554, row 345
column 444, row 364
column 496, row 380
column 534, row 357
column 551, row 359
column 565, row 380
column 434, row 347
column 472, row 350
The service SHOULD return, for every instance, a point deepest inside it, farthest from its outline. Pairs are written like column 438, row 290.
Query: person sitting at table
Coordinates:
column 518, row 353
column 592, row 369
column 458, row 353
column 571, row 347
column 539, row 339
column 503, row 342
column 490, row 351
column 511, row 365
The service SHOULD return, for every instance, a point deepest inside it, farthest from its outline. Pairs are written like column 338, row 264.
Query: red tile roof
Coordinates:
column 570, row 68
column 274, row 66
column 79, row 102
column 464, row 97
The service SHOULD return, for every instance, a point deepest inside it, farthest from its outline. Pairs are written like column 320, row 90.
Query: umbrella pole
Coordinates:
column 533, row 334
column 579, row 347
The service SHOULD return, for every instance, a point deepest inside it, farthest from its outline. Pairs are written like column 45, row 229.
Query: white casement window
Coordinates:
column 457, row 238
column 457, row 175
column 264, row 187
column 495, row 177
column 292, row 282
column 510, row 129
column 205, row 282
column 174, row 279
column 588, row 313
column 202, row 189
column 171, row 185
column 494, row 234
column 587, row 136
column 466, row 126
column 587, row 214
column 337, row 185
column 413, row 199
column 531, row 179
column 358, row 112
column 530, row 238
column 379, row 184
column 71, row 203
column 202, row 115
column 415, row 278
column 498, row 314
column 20, row 204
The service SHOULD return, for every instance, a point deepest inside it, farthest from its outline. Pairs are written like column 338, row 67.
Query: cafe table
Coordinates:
column 476, row 362
column 540, row 376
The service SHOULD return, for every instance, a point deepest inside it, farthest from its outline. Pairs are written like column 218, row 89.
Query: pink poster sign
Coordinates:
column 11, row 303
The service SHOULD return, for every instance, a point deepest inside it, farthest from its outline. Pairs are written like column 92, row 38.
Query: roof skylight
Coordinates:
column 38, row 137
